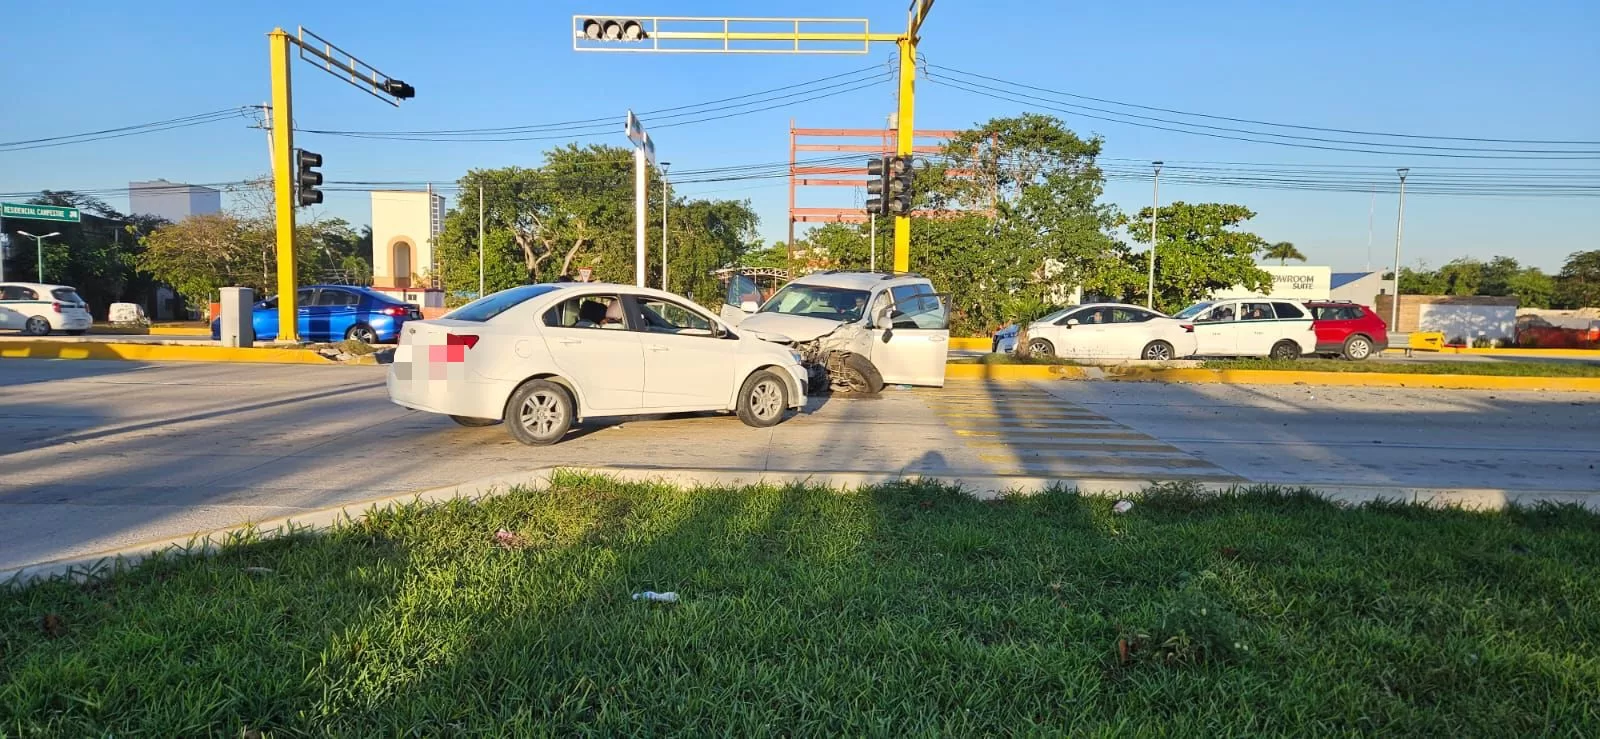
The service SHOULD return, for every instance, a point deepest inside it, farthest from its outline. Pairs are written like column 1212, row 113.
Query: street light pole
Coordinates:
column 666, row 201
column 1399, row 233
column 1155, row 208
column 38, row 242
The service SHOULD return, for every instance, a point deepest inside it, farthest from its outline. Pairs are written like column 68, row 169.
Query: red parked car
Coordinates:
column 1347, row 330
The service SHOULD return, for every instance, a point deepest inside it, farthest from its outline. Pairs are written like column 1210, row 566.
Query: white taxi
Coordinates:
column 38, row 309
column 543, row 357
column 1251, row 327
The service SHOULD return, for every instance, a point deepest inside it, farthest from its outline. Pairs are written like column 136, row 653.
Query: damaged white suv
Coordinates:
column 856, row 331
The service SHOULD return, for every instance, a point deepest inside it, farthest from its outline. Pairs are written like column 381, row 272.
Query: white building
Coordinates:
column 404, row 227
column 173, row 201
column 1297, row 283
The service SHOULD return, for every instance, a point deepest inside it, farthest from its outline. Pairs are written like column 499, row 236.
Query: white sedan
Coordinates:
column 36, row 309
column 1110, row 331
column 543, row 357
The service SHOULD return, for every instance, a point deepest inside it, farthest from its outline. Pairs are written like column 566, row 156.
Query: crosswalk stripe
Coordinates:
column 1097, row 446
column 1035, row 435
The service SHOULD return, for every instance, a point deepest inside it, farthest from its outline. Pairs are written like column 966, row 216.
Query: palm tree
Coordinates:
column 1284, row 251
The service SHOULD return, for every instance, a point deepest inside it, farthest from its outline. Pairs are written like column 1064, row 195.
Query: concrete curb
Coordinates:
column 1527, row 353
column 178, row 331
column 982, row 487
column 1002, row 372
column 156, row 352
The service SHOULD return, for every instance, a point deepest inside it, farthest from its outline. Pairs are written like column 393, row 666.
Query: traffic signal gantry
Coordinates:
column 594, row 32
column 294, row 175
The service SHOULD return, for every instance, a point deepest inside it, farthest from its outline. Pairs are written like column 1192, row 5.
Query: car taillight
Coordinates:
column 393, row 311
column 466, row 340
column 56, row 307
column 1188, row 328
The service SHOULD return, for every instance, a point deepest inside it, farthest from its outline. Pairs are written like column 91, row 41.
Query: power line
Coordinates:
column 1263, row 123
column 122, row 131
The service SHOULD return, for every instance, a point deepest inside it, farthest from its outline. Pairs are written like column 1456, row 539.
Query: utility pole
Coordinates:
column 1155, row 208
column 666, row 200
column 657, row 34
column 343, row 66
column 1399, row 232
column 480, row 239
column 872, row 227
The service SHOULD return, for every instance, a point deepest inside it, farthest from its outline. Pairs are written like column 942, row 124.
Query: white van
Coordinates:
column 1251, row 327
column 857, row 331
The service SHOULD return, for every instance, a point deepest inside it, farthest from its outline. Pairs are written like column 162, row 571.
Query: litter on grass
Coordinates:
column 1122, row 506
column 654, row 597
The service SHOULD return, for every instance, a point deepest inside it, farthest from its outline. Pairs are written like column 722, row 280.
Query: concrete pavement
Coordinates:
column 101, row 455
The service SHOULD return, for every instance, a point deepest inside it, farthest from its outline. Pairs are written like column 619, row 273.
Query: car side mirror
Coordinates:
column 1072, row 322
column 749, row 306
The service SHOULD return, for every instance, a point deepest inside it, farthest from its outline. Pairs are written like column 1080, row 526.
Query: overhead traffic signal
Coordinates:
column 308, row 178
column 901, row 177
column 614, row 29
column 399, row 89
column 878, row 185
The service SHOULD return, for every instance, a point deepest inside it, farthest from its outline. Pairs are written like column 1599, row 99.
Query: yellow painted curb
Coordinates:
column 179, row 331
column 1014, row 372
column 1357, row 379
column 156, row 352
column 971, row 343
column 1529, row 353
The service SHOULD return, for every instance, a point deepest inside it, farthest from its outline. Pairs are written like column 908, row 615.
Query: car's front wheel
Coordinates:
column 763, row 399
column 539, row 413
column 1357, row 348
column 1041, row 348
column 857, row 375
column 37, row 326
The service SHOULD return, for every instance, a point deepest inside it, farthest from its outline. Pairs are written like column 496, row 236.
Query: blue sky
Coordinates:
column 1496, row 70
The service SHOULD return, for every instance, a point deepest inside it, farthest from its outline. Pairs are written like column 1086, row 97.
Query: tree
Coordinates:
column 1578, row 284
column 1199, row 251
column 203, row 253
column 1283, row 251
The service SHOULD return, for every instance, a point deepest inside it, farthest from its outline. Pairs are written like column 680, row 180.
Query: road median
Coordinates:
column 107, row 350
column 1153, row 372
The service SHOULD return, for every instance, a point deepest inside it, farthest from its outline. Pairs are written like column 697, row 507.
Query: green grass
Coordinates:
column 1496, row 368
column 907, row 610
column 1008, row 358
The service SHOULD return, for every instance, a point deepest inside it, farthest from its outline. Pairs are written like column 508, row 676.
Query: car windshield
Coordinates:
column 1192, row 311
column 1056, row 315
column 489, row 306
column 815, row 301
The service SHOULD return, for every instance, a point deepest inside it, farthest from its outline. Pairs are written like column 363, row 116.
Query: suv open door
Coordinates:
column 911, row 336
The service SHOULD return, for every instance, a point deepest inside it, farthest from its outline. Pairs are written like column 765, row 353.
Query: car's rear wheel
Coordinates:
column 363, row 333
column 859, row 376
column 539, row 413
column 1357, row 348
column 1286, row 351
column 1159, row 351
column 37, row 326
column 763, row 399
column 474, row 423
column 1041, row 348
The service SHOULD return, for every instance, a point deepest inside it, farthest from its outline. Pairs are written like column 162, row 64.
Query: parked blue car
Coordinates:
column 335, row 312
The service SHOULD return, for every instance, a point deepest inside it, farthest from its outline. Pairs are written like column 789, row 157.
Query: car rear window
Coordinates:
column 1288, row 310
column 66, row 295
column 489, row 306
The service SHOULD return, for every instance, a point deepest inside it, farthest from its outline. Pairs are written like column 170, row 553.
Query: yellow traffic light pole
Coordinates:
column 595, row 30
column 283, row 183
column 342, row 65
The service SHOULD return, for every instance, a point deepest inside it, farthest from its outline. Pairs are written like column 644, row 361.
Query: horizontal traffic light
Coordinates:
column 399, row 89
column 614, row 29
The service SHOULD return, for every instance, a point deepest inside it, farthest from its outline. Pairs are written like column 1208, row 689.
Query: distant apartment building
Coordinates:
column 173, row 201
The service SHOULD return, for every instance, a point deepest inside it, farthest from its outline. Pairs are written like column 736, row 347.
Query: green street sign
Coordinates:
column 39, row 212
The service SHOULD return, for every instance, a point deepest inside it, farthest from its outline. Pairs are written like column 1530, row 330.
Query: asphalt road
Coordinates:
column 99, row 455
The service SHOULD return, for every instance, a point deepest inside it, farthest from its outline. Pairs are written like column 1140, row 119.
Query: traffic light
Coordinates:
column 399, row 89
column 901, row 177
column 308, row 178
column 613, row 29
column 878, row 185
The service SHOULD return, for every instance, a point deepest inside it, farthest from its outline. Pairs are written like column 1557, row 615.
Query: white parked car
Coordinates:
column 543, row 357
column 37, row 310
column 1251, row 327
column 856, row 331
column 1110, row 331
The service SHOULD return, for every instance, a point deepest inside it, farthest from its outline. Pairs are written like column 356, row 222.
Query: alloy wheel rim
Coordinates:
column 541, row 413
column 1158, row 352
column 765, row 399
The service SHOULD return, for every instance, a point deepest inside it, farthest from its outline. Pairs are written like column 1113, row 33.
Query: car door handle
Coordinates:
column 937, row 338
column 570, row 341
column 656, row 348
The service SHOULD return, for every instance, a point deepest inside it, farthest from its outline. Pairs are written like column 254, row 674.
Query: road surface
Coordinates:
column 100, row 455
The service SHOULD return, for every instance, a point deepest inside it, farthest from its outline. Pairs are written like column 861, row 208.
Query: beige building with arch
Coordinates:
column 404, row 226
